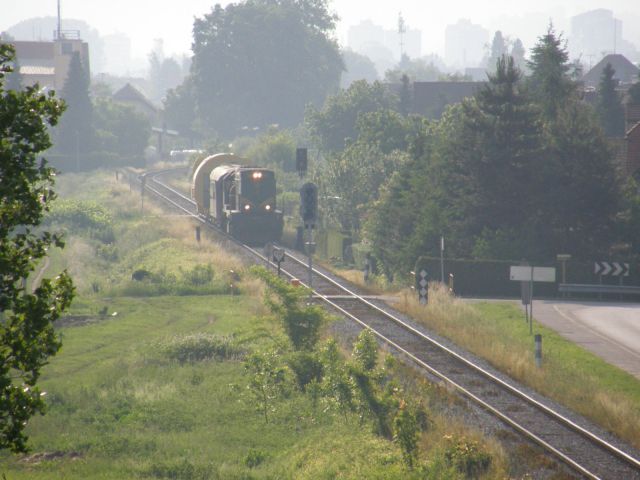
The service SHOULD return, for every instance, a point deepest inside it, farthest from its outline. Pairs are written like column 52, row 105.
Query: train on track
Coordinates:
column 238, row 198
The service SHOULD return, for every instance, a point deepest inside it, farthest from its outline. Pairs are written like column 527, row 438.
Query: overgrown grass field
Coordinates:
column 152, row 379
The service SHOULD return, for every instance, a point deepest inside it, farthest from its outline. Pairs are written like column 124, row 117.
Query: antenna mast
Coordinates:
column 402, row 29
column 59, row 35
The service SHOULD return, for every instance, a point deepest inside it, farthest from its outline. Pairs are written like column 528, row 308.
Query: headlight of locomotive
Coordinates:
column 267, row 208
column 247, row 207
column 257, row 175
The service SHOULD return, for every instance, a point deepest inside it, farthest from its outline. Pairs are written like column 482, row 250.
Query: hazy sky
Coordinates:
column 144, row 20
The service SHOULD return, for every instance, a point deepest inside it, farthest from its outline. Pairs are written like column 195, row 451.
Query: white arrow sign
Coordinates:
column 613, row 268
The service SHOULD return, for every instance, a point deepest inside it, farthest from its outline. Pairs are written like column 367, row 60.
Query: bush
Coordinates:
column 306, row 368
column 467, row 458
column 199, row 347
column 301, row 323
column 83, row 217
column 254, row 458
column 198, row 275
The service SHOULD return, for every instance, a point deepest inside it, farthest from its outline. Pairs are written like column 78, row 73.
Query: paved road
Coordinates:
column 610, row 330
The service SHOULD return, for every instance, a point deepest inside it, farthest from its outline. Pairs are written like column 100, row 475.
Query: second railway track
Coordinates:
column 584, row 451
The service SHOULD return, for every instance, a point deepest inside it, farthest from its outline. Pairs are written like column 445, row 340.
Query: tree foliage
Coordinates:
column 120, row 129
column 609, row 104
column 180, row 109
column 550, row 80
column 357, row 67
column 634, row 92
column 497, row 50
column 500, row 179
column 75, row 132
column 301, row 322
column 261, row 62
column 164, row 74
column 335, row 123
column 27, row 337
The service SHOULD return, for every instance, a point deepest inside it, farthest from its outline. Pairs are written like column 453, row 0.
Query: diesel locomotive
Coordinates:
column 240, row 199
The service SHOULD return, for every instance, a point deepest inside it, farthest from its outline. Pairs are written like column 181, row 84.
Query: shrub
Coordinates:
column 254, row 458
column 465, row 455
column 200, row 346
column 302, row 323
column 198, row 275
column 306, row 368
column 83, row 217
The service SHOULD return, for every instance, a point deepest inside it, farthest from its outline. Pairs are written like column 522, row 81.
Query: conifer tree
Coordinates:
column 609, row 107
column 75, row 134
column 550, row 81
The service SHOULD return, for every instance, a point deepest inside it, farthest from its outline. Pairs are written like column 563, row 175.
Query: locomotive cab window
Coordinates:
column 257, row 186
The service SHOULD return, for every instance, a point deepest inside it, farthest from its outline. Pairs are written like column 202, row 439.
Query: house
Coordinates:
column 47, row 63
column 625, row 71
column 130, row 95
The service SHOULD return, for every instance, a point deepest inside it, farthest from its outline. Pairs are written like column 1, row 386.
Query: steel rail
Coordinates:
column 603, row 443
column 510, row 388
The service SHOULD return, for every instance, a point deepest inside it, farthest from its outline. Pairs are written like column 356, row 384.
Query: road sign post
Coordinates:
column 530, row 274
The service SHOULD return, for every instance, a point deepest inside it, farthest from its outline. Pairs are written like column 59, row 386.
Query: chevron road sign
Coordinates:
column 614, row 269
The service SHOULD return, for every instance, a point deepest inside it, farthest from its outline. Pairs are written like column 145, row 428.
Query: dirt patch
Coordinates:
column 77, row 320
column 49, row 456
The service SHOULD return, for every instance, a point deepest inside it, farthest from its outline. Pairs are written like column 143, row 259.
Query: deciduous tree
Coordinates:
column 261, row 62
column 27, row 337
column 335, row 123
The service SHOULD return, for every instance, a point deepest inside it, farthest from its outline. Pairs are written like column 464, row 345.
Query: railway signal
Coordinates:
column 422, row 285
column 301, row 161
column 309, row 204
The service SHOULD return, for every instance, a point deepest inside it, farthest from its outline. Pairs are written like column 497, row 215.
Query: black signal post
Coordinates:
column 309, row 215
column 301, row 161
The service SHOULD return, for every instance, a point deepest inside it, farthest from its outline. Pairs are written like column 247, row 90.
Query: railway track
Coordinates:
column 584, row 451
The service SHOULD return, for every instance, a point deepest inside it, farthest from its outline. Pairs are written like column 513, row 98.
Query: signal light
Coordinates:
column 301, row 161
column 309, row 204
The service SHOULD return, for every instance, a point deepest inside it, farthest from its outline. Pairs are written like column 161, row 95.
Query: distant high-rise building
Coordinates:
column 363, row 34
column 464, row 44
column 597, row 33
column 594, row 34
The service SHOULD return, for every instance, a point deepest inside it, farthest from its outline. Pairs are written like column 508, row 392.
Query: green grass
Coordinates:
column 119, row 408
column 135, row 393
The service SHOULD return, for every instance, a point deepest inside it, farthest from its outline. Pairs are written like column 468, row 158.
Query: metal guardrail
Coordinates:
column 596, row 288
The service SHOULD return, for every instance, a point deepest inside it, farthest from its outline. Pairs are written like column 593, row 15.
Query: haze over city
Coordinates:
column 144, row 21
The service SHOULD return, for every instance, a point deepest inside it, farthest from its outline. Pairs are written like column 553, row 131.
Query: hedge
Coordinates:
column 490, row 278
